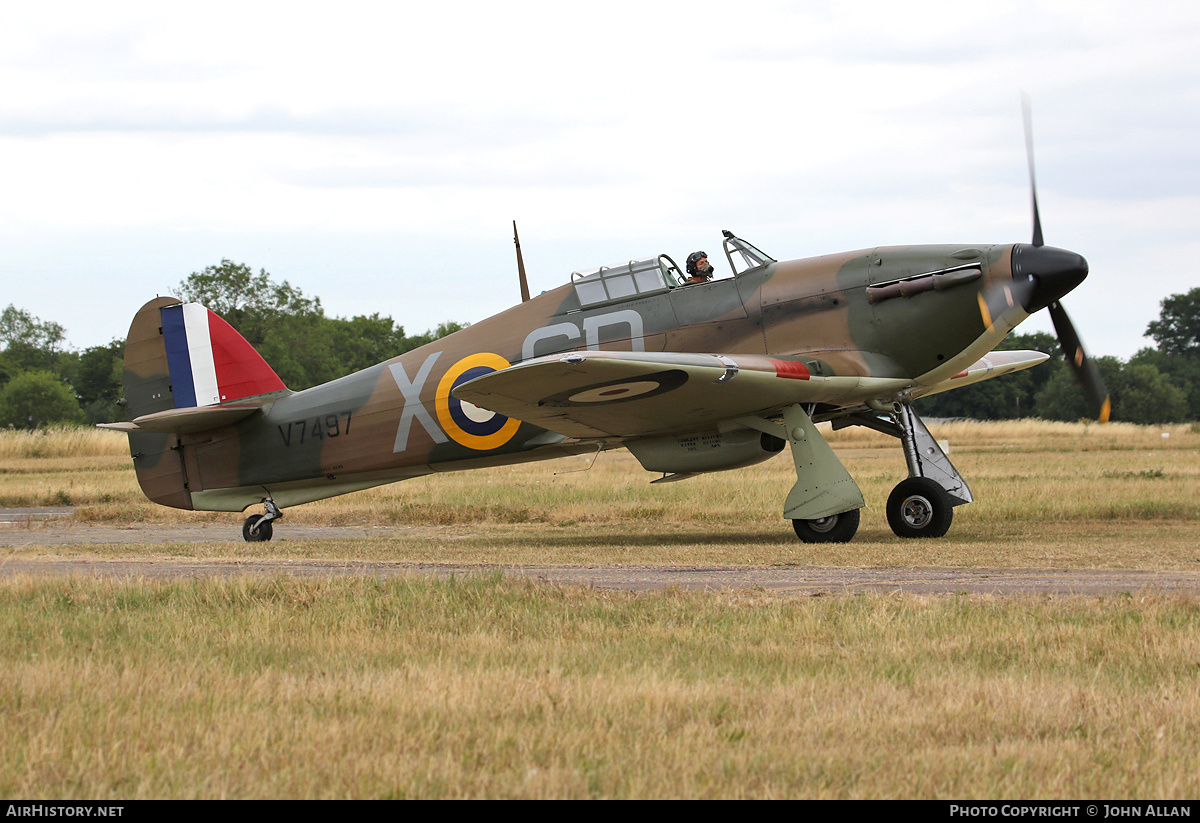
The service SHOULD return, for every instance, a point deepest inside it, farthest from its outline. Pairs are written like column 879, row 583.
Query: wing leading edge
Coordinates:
column 994, row 364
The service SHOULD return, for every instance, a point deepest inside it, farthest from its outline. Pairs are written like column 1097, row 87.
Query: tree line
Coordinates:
column 1159, row 384
column 43, row 381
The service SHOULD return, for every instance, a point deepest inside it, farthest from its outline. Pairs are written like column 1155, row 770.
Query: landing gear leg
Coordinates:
column 824, row 504
column 257, row 528
column 923, row 504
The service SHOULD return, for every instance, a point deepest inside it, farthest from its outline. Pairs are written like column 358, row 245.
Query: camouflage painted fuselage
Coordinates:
column 875, row 313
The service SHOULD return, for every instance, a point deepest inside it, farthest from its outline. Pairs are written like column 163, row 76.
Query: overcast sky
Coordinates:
column 375, row 154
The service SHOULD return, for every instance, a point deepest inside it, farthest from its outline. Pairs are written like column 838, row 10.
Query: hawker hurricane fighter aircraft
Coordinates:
column 690, row 377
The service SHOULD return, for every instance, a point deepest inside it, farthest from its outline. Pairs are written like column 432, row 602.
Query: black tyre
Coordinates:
column 836, row 528
column 919, row 507
column 253, row 535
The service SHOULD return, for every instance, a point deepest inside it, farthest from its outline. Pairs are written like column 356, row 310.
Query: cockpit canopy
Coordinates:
column 635, row 278
column 742, row 256
column 652, row 275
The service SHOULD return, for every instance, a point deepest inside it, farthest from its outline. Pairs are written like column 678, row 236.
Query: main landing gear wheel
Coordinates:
column 836, row 528
column 919, row 507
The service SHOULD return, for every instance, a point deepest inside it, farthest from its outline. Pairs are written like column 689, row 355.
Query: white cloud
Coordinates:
column 153, row 140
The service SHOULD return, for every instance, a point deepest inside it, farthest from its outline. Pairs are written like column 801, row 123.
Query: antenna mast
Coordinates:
column 520, row 265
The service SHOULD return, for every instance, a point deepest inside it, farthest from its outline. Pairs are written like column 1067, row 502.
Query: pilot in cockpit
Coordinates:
column 699, row 270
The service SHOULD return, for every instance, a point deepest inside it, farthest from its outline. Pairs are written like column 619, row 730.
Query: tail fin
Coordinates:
column 183, row 356
column 185, row 371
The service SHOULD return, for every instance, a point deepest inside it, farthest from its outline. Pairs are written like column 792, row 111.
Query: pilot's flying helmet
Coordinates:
column 692, row 260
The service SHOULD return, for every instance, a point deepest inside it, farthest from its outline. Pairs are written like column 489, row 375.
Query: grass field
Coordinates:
column 483, row 686
column 1047, row 494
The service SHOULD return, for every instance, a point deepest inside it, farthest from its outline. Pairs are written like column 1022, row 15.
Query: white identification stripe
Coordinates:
column 204, row 370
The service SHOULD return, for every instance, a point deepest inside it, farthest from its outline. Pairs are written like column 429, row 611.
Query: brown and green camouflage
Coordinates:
column 690, row 377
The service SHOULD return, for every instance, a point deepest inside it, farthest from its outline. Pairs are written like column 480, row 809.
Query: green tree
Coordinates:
column 31, row 344
column 1177, row 330
column 1177, row 356
column 99, row 382
column 299, row 347
column 363, row 341
column 1140, row 393
column 290, row 330
column 35, row 399
column 442, row 330
column 1147, row 396
column 1183, row 370
column 236, row 293
column 19, row 326
column 286, row 327
column 1007, row 397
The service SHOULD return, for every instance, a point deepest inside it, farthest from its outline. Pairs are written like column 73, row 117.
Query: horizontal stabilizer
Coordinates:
column 186, row 421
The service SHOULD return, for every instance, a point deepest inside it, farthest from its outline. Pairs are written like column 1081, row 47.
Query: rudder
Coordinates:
column 183, row 364
column 182, row 355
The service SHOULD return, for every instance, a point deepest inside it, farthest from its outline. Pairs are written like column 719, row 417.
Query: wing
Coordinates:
column 627, row 394
column 995, row 364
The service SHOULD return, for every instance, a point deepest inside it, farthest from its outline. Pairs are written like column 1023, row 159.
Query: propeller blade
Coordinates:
column 996, row 300
column 1027, row 110
column 1060, row 272
column 1084, row 369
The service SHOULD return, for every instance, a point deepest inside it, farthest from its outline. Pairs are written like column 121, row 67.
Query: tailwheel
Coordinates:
column 256, row 529
column 836, row 528
column 919, row 507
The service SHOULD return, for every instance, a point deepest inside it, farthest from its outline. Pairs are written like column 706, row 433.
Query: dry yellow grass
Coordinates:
column 1020, row 470
column 1047, row 494
column 62, row 441
column 480, row 687
column 487, row 687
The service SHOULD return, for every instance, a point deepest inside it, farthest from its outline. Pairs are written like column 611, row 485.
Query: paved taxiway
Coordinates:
column 799, row 581
column 794, row 580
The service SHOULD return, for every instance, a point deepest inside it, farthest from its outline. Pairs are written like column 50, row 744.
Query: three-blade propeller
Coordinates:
column 1081, row 365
